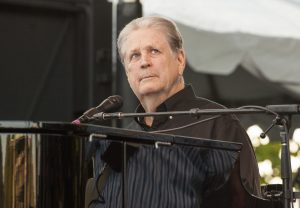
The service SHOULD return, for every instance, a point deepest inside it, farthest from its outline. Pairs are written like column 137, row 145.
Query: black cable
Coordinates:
column 217, row 116
column 258, row 107
column 186, row 126
column 100, row 198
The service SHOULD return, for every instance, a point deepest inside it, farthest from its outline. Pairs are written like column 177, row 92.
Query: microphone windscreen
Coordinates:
column 110, row 104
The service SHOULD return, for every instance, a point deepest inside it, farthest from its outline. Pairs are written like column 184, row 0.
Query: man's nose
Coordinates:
column 145, row 61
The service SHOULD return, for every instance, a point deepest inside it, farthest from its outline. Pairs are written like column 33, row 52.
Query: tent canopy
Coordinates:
column 263, row 36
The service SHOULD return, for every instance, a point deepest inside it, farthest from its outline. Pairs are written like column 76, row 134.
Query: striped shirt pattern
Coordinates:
column 175, row 176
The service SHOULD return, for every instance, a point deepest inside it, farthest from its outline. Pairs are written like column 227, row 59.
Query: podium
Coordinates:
column 48, row 164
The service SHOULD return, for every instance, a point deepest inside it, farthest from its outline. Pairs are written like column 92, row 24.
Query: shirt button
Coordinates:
column 170, row 117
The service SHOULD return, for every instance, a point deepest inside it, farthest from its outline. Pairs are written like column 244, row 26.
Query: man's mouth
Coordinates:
column 144, row 78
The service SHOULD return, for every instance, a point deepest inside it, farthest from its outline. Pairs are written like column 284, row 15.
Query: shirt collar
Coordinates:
column 167, row 105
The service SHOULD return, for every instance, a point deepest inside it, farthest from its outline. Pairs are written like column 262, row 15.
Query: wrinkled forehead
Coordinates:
column 144, row 37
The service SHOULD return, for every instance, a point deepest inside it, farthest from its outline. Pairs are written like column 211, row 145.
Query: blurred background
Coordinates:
column 58, row 59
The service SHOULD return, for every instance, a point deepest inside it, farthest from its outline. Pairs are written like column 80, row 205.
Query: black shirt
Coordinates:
column 179, row 176
column 225, row 128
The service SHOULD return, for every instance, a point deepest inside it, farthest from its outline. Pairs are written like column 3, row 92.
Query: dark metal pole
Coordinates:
column 114, row 45
column 285, row 165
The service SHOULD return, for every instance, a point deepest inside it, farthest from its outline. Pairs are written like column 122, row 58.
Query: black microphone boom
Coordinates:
column 285, row 109
column 110, row 104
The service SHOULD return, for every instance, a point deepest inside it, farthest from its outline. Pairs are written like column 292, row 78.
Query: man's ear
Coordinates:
column 181, row 61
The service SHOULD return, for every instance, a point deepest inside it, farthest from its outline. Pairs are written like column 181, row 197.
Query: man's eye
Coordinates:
column 134, row 56
column 154, row 51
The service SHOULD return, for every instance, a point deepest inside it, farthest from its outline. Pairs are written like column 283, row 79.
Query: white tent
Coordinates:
column 261, row 35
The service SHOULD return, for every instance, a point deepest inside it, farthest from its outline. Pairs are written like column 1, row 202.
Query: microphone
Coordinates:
column 110, row 104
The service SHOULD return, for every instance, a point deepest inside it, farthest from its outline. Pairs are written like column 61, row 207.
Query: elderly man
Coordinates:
column 151, row 50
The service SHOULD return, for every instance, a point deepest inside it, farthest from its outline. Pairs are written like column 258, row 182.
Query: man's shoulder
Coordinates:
column 201, row 103
column 207, row 103
column 190, row 98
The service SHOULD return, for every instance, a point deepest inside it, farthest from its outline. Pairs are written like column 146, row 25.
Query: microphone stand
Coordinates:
column 286, row 164
column 278, row 110
column 193, row 112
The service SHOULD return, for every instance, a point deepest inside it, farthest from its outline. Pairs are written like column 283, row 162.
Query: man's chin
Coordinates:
column 148, row 91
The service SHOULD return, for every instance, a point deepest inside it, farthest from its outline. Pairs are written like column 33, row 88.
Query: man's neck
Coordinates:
column 151, row 102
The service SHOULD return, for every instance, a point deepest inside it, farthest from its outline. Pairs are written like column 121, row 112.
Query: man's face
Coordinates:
column 151, row 66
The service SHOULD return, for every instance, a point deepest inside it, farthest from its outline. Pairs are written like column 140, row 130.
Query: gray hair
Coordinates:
column 172, row 33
